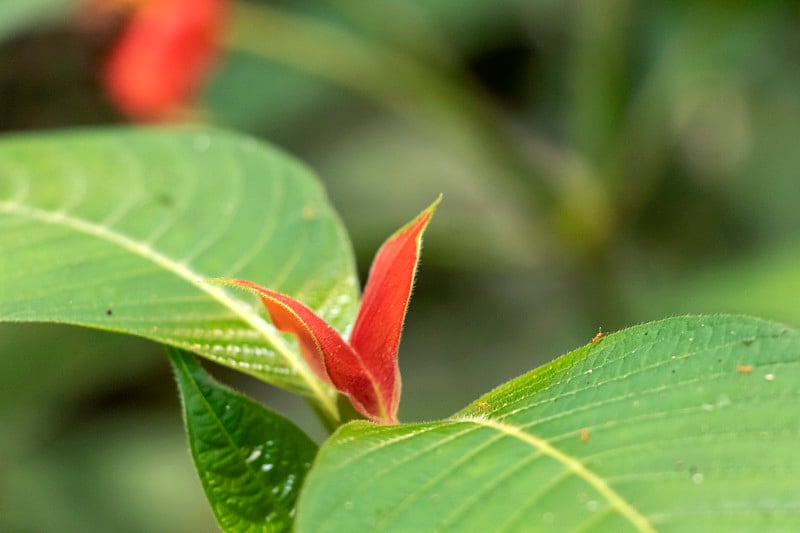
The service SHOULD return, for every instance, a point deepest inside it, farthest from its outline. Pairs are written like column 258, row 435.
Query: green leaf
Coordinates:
column 119, row 229
column 684, row 424
column 251, row 461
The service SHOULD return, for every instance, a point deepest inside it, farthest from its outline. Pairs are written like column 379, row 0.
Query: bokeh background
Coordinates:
column 602, row 164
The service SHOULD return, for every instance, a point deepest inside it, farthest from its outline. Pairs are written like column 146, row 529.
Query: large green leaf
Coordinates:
column 683, row 424
column 119, row 230
column 251, row 461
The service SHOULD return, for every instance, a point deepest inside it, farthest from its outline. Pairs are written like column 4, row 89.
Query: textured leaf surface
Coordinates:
column 251, row 461
column 684, row 424
column 119, row 230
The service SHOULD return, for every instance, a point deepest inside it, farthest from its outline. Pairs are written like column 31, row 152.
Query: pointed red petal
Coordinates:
column 325, row 351
column 376, row 333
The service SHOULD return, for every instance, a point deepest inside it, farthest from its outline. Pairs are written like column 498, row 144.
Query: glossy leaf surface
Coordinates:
column 684, row 424
column 250, row 460
column 119, row 230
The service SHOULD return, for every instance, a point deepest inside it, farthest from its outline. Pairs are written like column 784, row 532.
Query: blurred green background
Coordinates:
column 602, row 164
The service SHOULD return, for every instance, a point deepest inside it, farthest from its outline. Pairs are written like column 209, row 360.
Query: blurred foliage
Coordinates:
column 602, row 164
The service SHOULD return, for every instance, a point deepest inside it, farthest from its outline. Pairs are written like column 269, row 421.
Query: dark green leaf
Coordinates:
column 684, row 424
column 251, row 461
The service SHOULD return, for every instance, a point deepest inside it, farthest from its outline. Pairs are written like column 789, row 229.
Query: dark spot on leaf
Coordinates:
column 646, row 332
column 109, row 312
column 165, row 199
column 692, row 470
column 748, row 342
column 673, row 370
column 719, row 360
column 679, row 466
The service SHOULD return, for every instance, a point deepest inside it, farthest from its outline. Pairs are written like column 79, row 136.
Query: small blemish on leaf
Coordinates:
column 770, row 377
column 308, row 213
column 109, row 311
column 584, row 435
column 744, row 369
column 482, row 404
column 165, row 200
column 679, row 466
column 748, row 342
column 697, row 478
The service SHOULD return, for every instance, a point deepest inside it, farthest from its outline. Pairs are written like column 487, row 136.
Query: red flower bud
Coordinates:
column 365, row 369
column 164, row 53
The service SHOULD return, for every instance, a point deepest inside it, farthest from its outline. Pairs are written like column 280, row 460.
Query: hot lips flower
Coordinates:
column 365, row 368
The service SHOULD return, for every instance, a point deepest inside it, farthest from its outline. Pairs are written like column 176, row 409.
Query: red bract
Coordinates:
column 165, row 51
column 365, row 369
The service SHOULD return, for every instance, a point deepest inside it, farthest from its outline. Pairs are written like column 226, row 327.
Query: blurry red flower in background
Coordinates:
column 164, row 53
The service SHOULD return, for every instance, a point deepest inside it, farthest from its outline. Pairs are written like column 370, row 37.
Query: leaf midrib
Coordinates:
column 572, row 464
column 239, row 308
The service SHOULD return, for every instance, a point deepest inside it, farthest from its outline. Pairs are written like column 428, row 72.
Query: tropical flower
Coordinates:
column 365, row 367
column 166, row 49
